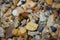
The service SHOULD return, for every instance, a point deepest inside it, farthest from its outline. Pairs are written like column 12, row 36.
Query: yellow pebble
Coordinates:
column 31, row 26
column 14, row 31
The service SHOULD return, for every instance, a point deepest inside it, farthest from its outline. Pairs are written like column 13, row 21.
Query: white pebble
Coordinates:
column 19, row 3
column 14, row 12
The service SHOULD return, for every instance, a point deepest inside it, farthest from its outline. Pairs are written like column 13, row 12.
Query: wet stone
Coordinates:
column 40, row 28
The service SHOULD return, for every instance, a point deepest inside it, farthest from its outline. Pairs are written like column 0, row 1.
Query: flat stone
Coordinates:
column 31, row 27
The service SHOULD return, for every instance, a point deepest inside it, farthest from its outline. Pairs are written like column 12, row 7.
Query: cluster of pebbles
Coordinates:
column 29, row 20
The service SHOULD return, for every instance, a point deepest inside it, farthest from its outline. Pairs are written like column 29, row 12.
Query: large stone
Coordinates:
column 31, row 26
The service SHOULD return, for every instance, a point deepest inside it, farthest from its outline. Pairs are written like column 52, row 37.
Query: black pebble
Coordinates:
column 54, row 29
column 23, row 2
column 40, row 28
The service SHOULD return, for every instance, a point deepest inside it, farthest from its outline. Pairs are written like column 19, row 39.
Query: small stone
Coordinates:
column 15, row 2
column 16, row 22
column 8, row 13
column 40, row 28
column 21, row 2
column 4, row 8
column 50, row 21
column 23, row 22
column 33, row 33
column 15, row 31
column 46, row 33
column 31, row 27
column 29, row 11
column 38, row 6
column 9, row 31
column 32, row 4
column 22, row 30
column 8, row 5
column 2, row 32
column 17, row 11
column 47, row 13
column 53, row 29
column 29, row 5
column 42, row 16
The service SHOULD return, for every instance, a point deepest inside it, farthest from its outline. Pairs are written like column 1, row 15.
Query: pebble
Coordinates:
column 16, row 22
column 23, row 30
column 15, row 32
column 4, row 9
column 23, row 22
column 9, row 31
column 33, row 33
column 42, row 16
column 29, row 10
column 2, row 32
column 31, row 27
column 50, row 21
column 15, row 2
column 40, row 28
column 17, row 11
column 53, row 29
column 32, row 4
column 29, row 19
column 37, row 37
column 47, row 13
column 21, row 2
